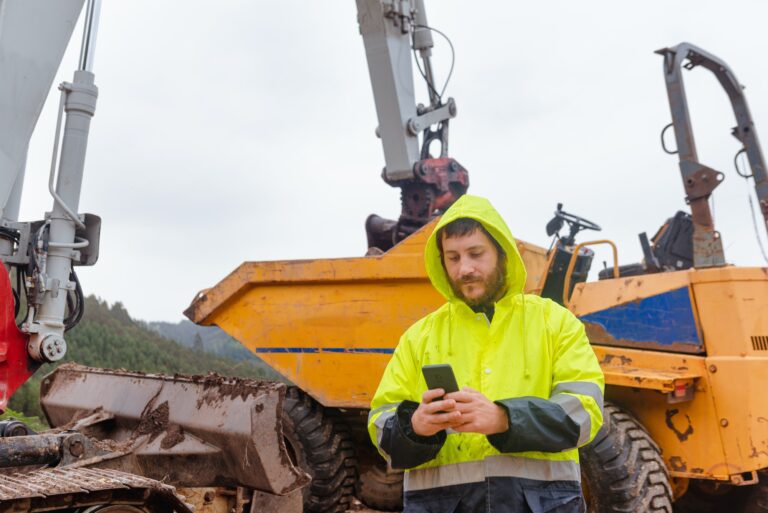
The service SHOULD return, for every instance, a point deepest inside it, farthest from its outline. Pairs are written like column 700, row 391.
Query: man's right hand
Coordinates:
column 434, row 416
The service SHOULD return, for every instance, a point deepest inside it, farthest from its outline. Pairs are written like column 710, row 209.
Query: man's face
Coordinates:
column 472, row 264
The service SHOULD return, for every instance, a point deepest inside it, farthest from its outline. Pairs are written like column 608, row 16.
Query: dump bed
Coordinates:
column 331, row 325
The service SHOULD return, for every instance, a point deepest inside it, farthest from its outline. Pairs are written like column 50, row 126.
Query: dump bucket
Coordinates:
column 331, row 325
column 184, row 430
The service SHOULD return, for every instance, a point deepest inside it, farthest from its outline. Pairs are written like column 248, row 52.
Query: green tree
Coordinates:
column 198, row 345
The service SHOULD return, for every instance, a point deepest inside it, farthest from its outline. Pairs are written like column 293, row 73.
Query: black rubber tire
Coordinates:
column 756, row 500
column 379, row 489
column 622, row 469
column 717, row 497
column 706, row 497
column 114, row 508
column 322, row 446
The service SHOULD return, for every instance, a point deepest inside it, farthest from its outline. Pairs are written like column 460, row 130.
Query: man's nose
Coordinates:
column 466, row 267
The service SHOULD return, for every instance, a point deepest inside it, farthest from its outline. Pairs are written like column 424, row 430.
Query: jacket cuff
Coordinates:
column 405, row 411
column 535, row 424
column 405, row 448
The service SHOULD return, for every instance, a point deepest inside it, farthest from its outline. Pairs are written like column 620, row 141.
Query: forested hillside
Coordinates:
column 108, row 337
column 210, row 339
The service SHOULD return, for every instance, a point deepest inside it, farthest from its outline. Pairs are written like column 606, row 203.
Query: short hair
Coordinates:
column 465, row 226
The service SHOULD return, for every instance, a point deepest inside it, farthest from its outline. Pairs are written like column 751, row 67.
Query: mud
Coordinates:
column 623, row 360
column 113, row 445
column 677, row 464
column 216, row 387
column 236, row 387
column 155, row 422
column 597, row 334
column 681, row 435
column 77, row 417
column 174, row 436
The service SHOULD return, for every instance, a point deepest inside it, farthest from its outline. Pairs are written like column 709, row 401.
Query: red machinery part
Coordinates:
column 15, row 364
column 437, row 183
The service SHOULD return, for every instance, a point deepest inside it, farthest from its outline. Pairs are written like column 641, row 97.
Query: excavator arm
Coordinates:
column 120, row 441
column 34, row 35
column 392, row 30
column 699, row 180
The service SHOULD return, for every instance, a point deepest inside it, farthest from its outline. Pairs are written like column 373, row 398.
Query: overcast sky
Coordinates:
column 244, row 130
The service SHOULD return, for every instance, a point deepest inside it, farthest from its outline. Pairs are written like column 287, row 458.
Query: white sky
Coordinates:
column 244, row 130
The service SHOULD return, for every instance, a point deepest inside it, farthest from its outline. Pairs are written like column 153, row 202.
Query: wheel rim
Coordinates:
column 378, row 488
column 296, row 454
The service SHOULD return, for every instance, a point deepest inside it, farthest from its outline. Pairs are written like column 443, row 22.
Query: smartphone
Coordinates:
column 440, row 376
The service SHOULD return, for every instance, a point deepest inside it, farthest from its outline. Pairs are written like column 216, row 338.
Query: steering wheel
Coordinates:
column 575, row 223
column 585, row 224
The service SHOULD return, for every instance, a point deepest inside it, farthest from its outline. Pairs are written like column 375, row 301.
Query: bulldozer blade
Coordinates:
column 185, row 430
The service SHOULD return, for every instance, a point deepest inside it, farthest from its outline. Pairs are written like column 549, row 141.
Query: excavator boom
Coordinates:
column 700, row 180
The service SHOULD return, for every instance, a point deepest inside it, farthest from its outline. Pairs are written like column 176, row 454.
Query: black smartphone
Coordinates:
column 440, row 376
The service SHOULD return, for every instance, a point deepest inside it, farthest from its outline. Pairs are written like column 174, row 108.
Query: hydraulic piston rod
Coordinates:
column 56, row 239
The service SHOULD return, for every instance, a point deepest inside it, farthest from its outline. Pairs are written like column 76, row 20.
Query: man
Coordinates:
column 533, row 389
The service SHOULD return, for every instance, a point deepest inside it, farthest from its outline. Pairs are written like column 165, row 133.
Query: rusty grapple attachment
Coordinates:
column 436, row 185
column 189, row 431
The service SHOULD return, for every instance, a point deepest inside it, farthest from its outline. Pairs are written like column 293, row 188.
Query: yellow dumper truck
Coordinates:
column 682, row 339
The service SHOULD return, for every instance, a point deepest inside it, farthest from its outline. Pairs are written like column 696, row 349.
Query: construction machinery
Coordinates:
column 683, row 420
column 122, row 441
column 681, row 336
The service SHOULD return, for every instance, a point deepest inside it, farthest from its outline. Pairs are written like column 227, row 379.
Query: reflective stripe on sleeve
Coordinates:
column 492, row 466
column 575, row 410
column 384, row 412
column 581, row 387
column 384, row 407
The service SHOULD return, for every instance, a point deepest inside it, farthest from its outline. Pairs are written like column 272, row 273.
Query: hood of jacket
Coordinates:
column 481, row 210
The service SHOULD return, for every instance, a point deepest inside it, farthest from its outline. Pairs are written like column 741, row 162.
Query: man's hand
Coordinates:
column 478, row 414
column 434, row 416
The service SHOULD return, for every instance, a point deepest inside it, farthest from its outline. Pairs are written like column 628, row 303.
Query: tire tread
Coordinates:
column 625, row 469
column 328, row 450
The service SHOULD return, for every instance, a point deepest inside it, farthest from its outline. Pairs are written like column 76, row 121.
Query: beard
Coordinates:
column 494, row 287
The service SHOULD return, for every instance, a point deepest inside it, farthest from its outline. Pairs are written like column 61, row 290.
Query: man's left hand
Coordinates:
column 478, row 414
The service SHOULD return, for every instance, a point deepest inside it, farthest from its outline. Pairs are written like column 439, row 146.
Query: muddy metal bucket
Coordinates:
column 185, row 430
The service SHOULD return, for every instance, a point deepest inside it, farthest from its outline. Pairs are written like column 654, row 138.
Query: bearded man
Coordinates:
column 532, row 387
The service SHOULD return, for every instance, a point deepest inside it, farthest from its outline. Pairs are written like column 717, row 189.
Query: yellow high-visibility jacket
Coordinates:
column 533, row 359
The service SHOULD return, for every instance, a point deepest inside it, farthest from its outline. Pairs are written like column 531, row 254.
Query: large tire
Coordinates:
column 757, row 495
column 717, row 497
column 379, row 489
column 622, row 469
column 704, row 496
column 321, row 445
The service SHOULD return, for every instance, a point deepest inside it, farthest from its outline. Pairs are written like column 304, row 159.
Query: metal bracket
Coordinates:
column 701, row 183
column 427, row 119
column 400, row 12
column 21, row 253
column 91, row 233
column 745, row 478
column 88, row 255
column 707, row 248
